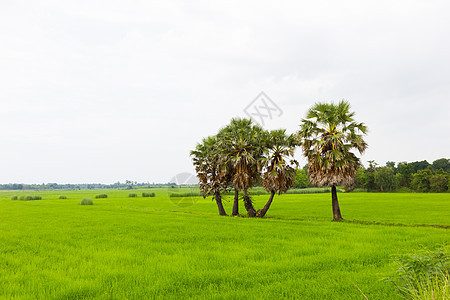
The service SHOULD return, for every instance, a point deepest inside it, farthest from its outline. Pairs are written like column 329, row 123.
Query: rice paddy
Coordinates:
column 125, row 247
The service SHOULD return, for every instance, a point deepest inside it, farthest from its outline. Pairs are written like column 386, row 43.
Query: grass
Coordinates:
column 423, row 274
column 134, row 248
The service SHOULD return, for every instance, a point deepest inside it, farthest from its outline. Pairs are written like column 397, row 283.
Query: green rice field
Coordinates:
column 125, row 247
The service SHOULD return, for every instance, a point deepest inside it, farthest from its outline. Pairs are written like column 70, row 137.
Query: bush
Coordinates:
column 86, row 201
column 187, row 194
column 62, row 197
column 14, row 198
column 132, row 195
column 404, row 190
column 101, row 196
column 29, row 198
column 423, row 274
column 148, row 194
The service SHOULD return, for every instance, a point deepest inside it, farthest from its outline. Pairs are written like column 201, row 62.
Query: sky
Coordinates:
column 107, row 91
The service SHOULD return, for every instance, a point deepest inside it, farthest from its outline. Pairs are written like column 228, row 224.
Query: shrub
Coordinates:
column 14, row 198
column 148, row 194
column 404, row 189
column 101, row 196
column 423, row 274
column 29, row 198
column 187, row 194
column 132, row 195
column 62, row 197
column 86, row 201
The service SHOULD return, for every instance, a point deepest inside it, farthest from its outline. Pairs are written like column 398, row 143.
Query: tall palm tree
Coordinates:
column 279, row 175
column 327, row 136
column 241, row 144
column 212, row 181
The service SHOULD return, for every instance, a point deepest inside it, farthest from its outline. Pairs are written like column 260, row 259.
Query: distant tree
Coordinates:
column 421, row 180
column 301, row 179
column 420, row 165
column 360, row 178
column 327, row 136
column 385, row 179
column 442, row 163
column 439, row 183
column 369, row 177
column 405, row 174
column 391, row 164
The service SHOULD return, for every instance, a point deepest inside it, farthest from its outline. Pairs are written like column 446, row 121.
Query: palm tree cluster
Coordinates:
column 242, row 154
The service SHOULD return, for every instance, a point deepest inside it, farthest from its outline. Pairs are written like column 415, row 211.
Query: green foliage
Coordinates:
column 421, row 180
column 29, row 198
column 301, row 179
column 385, row 180
column 86, row 201
column 420, row 165
column 101, row 196
column 132, row 195
column 14, row 198
column 62, row 197
column 404, row 189
column 390, row 164
column 405, row 174
column 381, row 179
column 423, row 274
column 439, row 183
column 148, row 194
column 187, row 194
column 442, row 163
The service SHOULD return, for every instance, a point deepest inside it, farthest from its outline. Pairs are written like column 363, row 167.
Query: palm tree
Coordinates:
column 212, row 181
column 327, row 136
column 241, row 144
column 279, row 175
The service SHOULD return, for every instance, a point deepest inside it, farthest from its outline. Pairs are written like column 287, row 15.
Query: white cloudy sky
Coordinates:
column 104, row 91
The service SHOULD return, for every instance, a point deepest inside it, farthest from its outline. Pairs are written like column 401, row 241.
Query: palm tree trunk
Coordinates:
column 249, row 205
column 220, row 204
column 262, row 212
column 334, row 201
column 236, row 203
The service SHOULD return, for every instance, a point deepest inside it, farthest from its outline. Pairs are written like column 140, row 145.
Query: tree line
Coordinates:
column 418, row 176
column 128, row 184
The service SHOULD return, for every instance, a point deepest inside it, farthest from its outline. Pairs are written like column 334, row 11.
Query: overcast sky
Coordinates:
column 105, row 91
